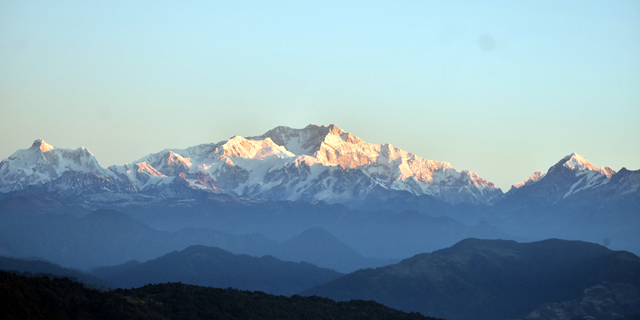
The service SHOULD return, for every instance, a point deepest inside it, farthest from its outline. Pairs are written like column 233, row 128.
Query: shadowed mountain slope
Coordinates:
column 498, row 279
column 214, row 267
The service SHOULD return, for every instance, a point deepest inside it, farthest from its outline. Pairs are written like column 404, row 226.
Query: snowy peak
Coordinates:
column 533, row 178
column 167, row 162
column 577, row 162
column 344, row 136
column 384, row 165
column 571, row 175
column 253, row 149
column 300, row 142
column 334, row 129
column 42, row 163
column 41, row 145
column 309, row 140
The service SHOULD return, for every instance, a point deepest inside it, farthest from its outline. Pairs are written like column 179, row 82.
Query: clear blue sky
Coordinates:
column 502, row 88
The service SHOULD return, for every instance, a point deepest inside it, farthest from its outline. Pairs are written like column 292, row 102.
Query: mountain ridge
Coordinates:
column 260, row 167
column 502, row 279
column 315, row 163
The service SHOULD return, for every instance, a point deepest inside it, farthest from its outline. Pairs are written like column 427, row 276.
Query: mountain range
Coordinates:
column 316, row 163
column 473, row 279
column 322, row 196
column 280, row 184
column 109, row 237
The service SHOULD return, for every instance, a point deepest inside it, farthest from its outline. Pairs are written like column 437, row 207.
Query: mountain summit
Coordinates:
column 42, row 163
column 533, row 178
column 577, row 162
column 40, row 144
column 573, row 174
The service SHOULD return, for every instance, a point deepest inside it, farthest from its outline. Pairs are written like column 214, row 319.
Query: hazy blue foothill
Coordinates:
column 474, row 279
column 214, row 267
column 108, row 237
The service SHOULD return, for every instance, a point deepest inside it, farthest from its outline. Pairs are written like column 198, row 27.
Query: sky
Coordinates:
column 501, row 88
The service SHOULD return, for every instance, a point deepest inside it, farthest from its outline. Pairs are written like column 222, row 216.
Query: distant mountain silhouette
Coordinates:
column 317, row 245
column 108, row 237
column 39, row 267
column 214, row 267
column 498, row 279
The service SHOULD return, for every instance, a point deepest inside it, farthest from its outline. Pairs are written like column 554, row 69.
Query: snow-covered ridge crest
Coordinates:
column 145, row 167
column 314, row 163
column 335, row 147
column 43, row 146
column 253, row 149
column 588, row 175
column 388, row 166
column 174, row 158
column 42, row 163
column 571, row 175
column 575, row 161
column 531, row 179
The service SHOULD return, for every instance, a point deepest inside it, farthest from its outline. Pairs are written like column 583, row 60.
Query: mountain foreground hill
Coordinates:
column 44, row 298
column 498, row 279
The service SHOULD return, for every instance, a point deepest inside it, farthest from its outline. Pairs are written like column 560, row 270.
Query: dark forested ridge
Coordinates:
column 24, row 297
column 499, row 279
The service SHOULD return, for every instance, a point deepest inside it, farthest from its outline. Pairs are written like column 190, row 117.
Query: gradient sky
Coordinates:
column 502, row 88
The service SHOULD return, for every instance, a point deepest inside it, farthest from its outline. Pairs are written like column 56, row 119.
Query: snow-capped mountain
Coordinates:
column 533, row 178
column 572, row 175
column 42, row 163
column 314, row 163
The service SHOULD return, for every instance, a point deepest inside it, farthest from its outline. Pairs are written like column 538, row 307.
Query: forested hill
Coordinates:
column 24, row 297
